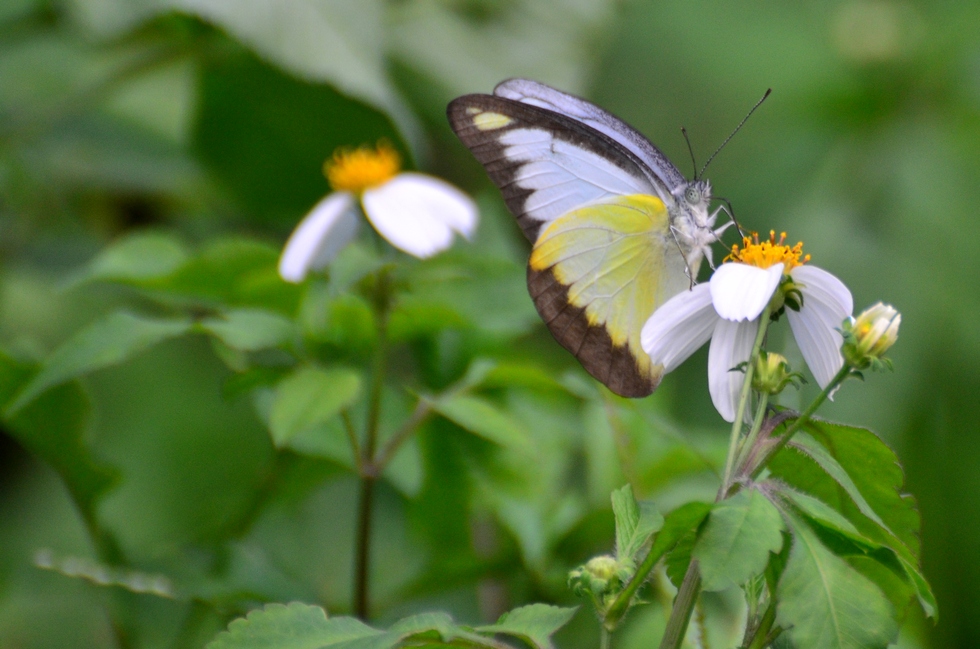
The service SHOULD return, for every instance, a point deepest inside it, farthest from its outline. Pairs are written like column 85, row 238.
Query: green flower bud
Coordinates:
column 868, row 337
column 772, row 375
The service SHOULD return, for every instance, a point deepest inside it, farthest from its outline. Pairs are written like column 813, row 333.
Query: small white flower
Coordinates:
column 416, row 213
column 726, row 310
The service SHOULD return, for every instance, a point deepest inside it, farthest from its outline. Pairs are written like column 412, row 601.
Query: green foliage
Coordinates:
column 735, row 543
column 825, row 604
column 635, row 522
column 112, row 340
column 176, row 413
column 296, row 626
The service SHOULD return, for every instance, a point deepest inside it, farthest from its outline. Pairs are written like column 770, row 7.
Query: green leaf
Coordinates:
column 826, row 516
column 292, row 626
column 824, row 603
column 52, row 427
column 483, row 418
column 106, row 342
column 877, row 473
column 136, row 257
column 327, row 41
column 677, row 537
column 735, row 543
column 923, row 591
column 311, row 396
column 829, row 519
column 250, row 329
column 635, row 522
column 828, row 463
column 534, row 624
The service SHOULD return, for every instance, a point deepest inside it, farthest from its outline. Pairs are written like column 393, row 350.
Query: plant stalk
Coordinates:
column 743, row 401
column 680, row 615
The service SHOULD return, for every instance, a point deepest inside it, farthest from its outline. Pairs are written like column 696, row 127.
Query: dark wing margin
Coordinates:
column 503, row 116
column 613, row 365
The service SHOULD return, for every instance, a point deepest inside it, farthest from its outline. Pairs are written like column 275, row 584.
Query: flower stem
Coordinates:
column 366, row 462
column 802, row 420
column 745, row 450
column 743, row 401
column 687, row 595
column 680, row 615
column 605, row 636
column 760, row 639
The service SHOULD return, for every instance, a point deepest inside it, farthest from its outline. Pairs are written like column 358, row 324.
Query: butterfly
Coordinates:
column 616, row 229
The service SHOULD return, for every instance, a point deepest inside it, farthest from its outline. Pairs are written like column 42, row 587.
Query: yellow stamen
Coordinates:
column 767, row 253
column 355, row 170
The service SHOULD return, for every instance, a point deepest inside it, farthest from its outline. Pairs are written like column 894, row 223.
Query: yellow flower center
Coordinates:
column 355, row 170
column 767, row 253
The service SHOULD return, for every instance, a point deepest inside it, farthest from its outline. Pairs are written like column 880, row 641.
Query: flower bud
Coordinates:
column 771, row 374
column 602, row 575
column 869, row 336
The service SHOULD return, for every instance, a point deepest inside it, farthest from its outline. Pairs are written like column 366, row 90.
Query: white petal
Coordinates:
column 322, row 233
column 826, row 302
column 731, row 344
column 679, row 327
column 418, row 214
column 741, row 292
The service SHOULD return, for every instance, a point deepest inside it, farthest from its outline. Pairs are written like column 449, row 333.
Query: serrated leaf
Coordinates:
column 878, row 475
column 481, row 417
column 52, row 427
column 821, row 514
column 311, row 396
column 828, row 463
column 923, row 590
column 824, row 603
column 534, row 624
column 635, row 522
column 136, row 257
column 291, row 626
column 105, row 342
column 250, row 330
column 826, row 516
column 735, row 543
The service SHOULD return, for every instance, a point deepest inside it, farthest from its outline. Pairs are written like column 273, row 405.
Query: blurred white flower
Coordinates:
column 726, row 310
column 416, row 213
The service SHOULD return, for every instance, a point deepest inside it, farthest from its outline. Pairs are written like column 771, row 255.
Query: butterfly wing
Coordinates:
column 544, row 163
column 596, row 275
column 604, row 257
column 534, row 93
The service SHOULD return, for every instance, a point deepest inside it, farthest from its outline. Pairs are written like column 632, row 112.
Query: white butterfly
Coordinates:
column 617, row 229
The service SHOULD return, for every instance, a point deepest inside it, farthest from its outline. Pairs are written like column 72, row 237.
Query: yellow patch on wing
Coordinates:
column 488, row 121
column 610, row 256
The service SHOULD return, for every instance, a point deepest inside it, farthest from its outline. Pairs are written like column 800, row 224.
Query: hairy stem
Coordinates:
column 680, row 615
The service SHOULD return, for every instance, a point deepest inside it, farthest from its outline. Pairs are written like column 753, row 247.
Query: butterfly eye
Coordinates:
column 692, row 195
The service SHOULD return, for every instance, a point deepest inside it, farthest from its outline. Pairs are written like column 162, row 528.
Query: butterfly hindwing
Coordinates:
column 596, row 275
column 544, row 163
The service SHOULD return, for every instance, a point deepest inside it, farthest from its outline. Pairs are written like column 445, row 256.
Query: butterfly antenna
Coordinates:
column 737, row 128
column 690, row 150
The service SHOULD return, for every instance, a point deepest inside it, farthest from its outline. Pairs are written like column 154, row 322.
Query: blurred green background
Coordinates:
column 204, row 120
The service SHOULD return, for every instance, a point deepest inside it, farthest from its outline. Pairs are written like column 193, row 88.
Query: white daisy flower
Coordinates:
column 416, row 213
column 726, row 310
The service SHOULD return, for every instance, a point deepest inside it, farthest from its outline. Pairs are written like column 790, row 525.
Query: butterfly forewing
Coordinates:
column 544, row 163
column 666, row 175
